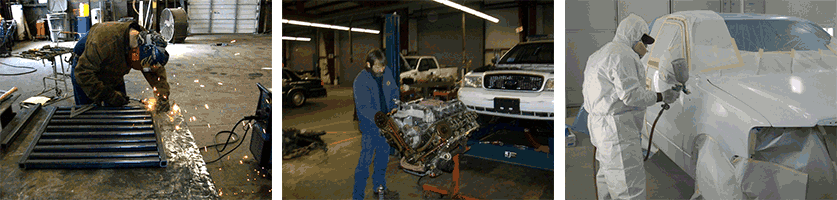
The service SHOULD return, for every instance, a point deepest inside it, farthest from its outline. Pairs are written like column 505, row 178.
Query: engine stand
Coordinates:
column 453, row 191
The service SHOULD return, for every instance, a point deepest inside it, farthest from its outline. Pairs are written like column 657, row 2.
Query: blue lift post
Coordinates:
column 392, row 47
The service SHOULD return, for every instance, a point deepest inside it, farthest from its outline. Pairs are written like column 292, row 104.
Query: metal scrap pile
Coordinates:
column 296, row 143
column 46, row 52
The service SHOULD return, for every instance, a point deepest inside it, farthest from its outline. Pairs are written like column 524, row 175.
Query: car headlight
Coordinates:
column 550, row 85
column 472, row 81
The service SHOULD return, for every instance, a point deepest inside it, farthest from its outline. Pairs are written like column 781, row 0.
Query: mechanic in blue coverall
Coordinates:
column 374, row 90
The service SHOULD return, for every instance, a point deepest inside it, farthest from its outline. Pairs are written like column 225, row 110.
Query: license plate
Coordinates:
column 506, row 105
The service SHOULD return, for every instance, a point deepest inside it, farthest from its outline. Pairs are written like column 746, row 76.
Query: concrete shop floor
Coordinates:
column 215, row 86
column 330, row 175
column 663, row 178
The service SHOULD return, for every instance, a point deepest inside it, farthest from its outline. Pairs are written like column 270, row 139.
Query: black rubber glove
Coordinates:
column 117, row 99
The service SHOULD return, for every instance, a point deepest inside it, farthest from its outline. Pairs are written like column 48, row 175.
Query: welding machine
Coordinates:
column 260, row 140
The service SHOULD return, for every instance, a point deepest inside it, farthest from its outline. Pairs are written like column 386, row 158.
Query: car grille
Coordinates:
column 513, row 82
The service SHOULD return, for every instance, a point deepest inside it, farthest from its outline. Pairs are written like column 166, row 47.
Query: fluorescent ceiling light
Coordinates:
column 365, row 30
column 328, row 26
column 468, row 10
column 296, row 38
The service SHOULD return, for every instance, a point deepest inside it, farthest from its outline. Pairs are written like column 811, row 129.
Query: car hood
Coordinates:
column 786, row 100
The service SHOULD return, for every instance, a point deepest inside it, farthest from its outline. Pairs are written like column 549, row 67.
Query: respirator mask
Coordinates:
column 641, row 46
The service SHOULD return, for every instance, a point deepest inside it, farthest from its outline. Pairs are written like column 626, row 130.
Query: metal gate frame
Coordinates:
column 91, row 140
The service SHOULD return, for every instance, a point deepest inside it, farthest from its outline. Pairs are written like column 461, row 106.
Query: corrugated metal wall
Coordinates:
column 223, row 16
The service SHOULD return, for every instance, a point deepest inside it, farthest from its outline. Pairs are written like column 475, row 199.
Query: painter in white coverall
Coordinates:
column 616, row 97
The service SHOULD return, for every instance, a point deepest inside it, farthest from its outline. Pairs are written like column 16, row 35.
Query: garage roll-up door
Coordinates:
column 223, row 16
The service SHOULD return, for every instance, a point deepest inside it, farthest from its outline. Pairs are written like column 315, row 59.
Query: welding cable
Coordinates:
column 21, row 67
column 229, row 137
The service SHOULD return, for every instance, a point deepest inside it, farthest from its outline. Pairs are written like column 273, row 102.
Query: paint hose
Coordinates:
column 651, row 136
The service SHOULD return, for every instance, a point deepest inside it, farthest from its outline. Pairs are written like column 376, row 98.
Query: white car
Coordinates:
column 761, row 118
column 520, row 85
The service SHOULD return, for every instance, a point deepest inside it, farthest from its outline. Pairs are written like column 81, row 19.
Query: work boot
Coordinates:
column 388, row 194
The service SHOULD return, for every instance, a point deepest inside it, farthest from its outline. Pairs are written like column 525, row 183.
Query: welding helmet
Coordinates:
column 152, row 50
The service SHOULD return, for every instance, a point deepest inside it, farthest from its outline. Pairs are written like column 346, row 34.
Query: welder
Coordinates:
column 107, row 53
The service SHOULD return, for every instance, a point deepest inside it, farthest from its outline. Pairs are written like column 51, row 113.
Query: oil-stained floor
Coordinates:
column 330, row 175
column 213, row 80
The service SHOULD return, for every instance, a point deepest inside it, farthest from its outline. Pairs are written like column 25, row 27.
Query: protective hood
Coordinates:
column 786, row 100
column 630, row 30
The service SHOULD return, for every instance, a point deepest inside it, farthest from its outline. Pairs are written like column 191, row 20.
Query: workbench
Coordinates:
column 185, row 176
column 45, row 54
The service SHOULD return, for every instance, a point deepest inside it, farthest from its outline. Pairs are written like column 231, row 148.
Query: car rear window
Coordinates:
column 777, row 35
column 533, row 53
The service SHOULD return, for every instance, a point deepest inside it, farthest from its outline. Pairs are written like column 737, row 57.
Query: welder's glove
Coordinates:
column 116, row 99
column 669, row 96
column 163, row 105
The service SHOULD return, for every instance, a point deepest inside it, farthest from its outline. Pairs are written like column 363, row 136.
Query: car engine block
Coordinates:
column 427, row 133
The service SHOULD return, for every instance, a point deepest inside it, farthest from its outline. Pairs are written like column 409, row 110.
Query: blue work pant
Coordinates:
column 372, row 144
column 78, row 94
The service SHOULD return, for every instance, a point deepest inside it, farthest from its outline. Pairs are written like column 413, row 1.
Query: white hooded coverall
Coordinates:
column 616, row 97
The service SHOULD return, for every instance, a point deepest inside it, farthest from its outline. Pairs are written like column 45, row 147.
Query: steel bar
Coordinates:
column 160, row 151
column 91, row 163
column 75, row 121
column 102, row 108
column 103, row 116
column 96, row 134
column 74, row 112
column 98, row 127
column 9, row 133
column 39, row 130
column 77, row 155
column 145, row 146
column 97, row 140
column 132, row 111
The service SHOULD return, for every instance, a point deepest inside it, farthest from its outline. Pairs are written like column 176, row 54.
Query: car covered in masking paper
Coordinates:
column 760, row 121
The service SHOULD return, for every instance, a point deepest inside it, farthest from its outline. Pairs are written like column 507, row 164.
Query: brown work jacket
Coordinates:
column 104, row 62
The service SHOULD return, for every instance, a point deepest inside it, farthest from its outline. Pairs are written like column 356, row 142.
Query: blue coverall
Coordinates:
column 367, row 95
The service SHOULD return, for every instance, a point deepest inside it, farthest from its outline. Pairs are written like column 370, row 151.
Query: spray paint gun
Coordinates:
column 679, row 72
